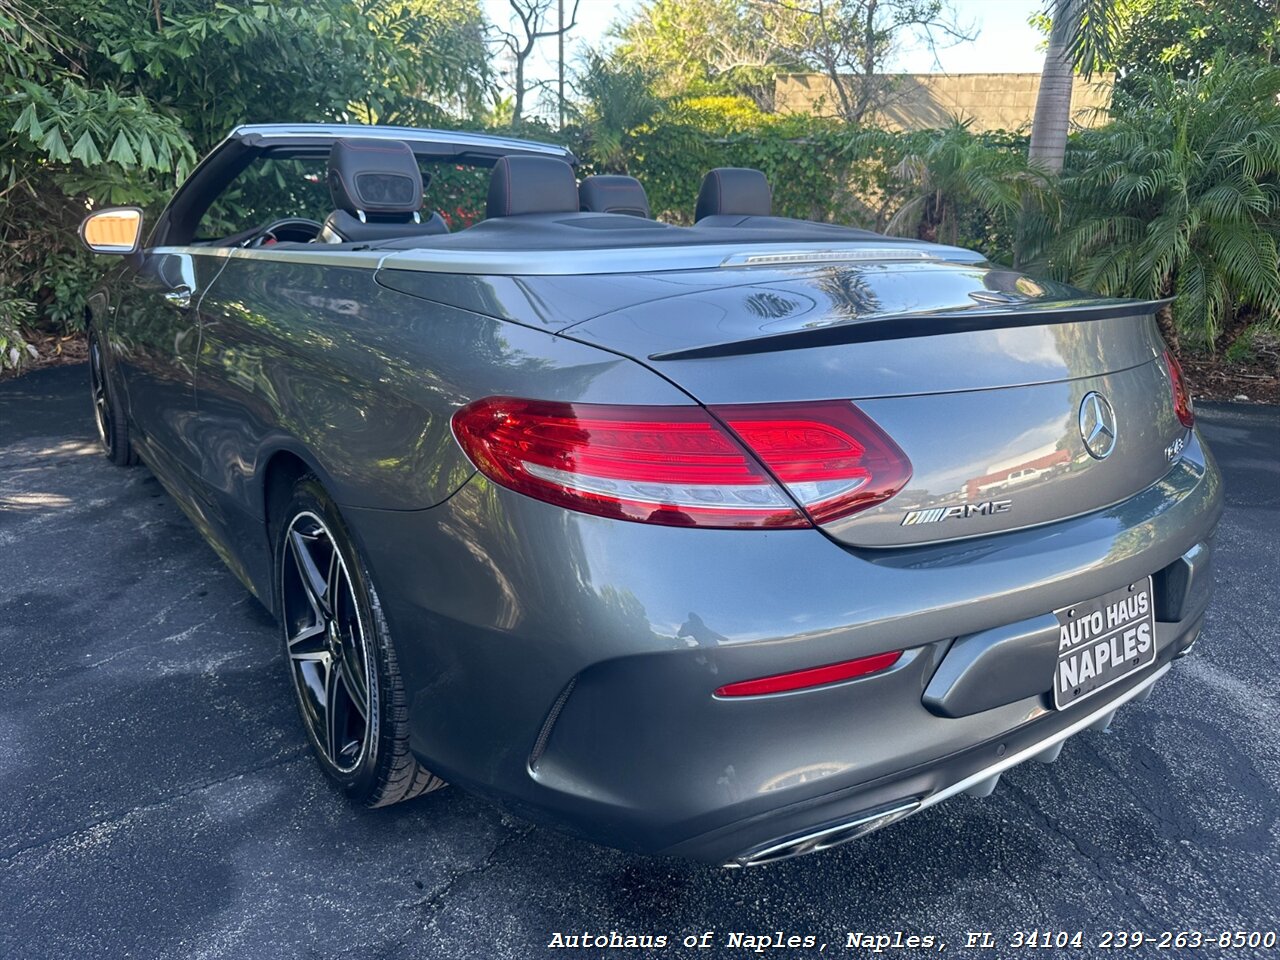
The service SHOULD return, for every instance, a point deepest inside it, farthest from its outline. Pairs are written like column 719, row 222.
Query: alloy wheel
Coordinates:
column 327, row 643
column 98, row 385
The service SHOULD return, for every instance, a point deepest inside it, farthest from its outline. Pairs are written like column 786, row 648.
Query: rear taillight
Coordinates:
column 1181, row 395
column 831, row 456
column 680, row 466
column 669, row 465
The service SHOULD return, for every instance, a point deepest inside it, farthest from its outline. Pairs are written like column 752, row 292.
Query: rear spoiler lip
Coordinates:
column 905, row 326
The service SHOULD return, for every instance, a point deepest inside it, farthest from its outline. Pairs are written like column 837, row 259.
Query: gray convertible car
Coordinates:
column 730, row 541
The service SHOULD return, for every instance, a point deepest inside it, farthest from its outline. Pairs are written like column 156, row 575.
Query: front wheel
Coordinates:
column 340, row 658
column 108, row 415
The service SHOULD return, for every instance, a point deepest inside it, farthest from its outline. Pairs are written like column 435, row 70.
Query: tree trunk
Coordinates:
column 517, row 108
column 1053, row 104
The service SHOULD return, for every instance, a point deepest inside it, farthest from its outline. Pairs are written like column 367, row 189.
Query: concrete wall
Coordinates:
column 917, row 101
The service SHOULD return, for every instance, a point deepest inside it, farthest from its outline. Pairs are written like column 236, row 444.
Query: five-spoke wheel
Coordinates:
column 339, row 653
column 327, row 645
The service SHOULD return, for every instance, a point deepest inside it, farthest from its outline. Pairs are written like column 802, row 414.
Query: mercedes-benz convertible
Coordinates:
column 731, row 541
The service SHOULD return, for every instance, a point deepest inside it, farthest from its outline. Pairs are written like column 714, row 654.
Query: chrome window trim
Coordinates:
column 266, row 132
column 619, row 260
column 368, row 259
column 653, row 259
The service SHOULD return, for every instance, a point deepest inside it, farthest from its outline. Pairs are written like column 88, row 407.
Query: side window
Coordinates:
column 268, row 189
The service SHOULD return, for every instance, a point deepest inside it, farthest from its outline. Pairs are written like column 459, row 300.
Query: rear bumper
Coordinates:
column 849, row 814
column 564, row 664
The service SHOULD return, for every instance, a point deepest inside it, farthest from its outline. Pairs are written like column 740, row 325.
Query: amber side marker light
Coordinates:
column 813, row 677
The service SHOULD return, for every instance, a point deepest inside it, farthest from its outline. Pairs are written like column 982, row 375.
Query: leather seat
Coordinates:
column 377, row 189
column 523, row 185
column 734, row 192
column 611, row 193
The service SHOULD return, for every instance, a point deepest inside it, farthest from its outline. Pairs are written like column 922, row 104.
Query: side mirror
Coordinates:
column 115, row 230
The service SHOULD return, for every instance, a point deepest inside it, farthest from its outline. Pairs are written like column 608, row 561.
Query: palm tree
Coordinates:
column 1178, row 197
column 1080, row 38
column 616, row 97
column 953, row 173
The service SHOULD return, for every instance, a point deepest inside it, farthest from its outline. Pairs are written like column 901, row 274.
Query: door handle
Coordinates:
column 179, row 297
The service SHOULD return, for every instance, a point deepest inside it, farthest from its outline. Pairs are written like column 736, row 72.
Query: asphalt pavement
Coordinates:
column 157, row 799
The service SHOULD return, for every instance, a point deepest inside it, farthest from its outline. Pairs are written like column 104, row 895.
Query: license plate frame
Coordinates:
column 1093, row 632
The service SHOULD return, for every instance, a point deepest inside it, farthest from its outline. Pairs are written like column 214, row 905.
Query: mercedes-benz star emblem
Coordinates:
column 1097, row 425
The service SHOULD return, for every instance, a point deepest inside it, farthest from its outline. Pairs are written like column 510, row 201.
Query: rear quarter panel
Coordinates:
column 308, row 354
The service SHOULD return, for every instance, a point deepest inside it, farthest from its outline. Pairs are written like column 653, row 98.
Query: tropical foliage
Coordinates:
column 816, row 169
column 108, row 102
column 616, row 97
column 1180, row 196
column 958, row 188
column 1182, row 37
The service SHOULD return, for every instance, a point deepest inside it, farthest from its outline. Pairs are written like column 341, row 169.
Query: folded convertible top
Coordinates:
column 596, row 231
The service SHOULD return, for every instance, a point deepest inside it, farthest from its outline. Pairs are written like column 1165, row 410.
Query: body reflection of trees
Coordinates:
column 769, row 305
column 850, row 293
column 1137, row 532
column 695, row 633
column 368, row 374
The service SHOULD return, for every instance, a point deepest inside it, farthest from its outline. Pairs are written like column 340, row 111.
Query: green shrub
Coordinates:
column 1257, row 343
column 1179, row 196
column 108, row 103
column 817, row 170
column 15, row 313
column 965, row 189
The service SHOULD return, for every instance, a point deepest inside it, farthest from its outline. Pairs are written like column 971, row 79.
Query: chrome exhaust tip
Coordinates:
column 823, row 839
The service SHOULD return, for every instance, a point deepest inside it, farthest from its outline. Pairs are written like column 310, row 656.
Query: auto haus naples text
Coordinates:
column 755, row 943
column 1090, row 645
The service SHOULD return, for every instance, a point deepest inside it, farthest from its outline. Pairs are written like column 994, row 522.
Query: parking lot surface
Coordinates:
column 157, row 798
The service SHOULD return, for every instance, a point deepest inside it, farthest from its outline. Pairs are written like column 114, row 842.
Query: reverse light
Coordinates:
column 1181, row 395
column 812, row 677
column 738, row 466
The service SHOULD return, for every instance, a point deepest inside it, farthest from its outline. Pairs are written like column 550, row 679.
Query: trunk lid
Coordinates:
column 989, row 381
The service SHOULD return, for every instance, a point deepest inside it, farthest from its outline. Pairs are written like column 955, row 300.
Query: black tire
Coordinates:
column 108, row 412
column 332, row 634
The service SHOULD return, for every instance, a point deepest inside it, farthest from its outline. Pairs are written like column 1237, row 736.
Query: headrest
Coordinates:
column 607, row 193
column 521, row 185
column 736, row 191
column 374, row 176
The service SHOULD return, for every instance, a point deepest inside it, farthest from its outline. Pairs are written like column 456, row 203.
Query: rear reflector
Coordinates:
column 813, row 677
column 681, row 466
column 1181, row 395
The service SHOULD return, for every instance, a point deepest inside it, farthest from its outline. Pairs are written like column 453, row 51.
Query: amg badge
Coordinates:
column 961, row 511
